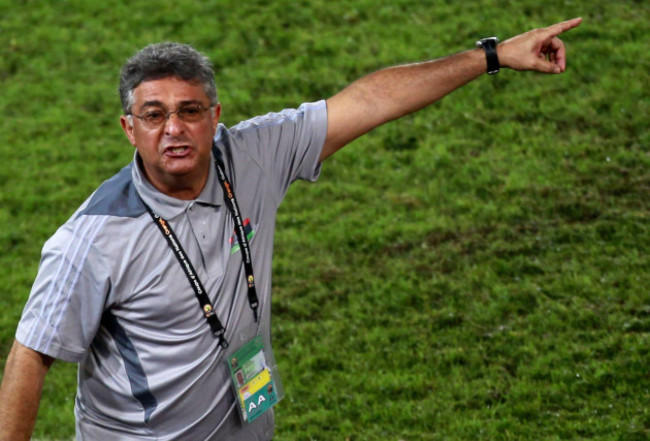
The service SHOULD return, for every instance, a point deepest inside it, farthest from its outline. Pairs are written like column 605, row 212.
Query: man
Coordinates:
column 116, row 282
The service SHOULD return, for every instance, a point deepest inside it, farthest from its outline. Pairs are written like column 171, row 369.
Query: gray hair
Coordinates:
column 162, row 60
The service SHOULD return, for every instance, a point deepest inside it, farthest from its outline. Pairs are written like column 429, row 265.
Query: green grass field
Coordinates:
column 476, row 271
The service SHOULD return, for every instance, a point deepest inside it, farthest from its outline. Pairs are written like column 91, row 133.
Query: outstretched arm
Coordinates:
column 20, row 393
column 391, row 93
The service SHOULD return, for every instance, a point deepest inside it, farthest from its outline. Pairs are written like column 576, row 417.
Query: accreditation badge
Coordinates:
column 255, row 379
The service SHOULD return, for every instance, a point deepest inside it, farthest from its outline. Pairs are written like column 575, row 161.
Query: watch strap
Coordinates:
column 489, row 45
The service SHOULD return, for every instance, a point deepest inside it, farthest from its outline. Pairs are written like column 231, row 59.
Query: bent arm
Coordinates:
column 20, row 392
column 391, row 93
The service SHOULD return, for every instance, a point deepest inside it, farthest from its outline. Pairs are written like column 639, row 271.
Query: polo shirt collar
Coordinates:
column 169, row 207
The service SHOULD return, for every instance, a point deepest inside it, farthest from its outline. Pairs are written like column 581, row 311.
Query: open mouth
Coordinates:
column 177, row 150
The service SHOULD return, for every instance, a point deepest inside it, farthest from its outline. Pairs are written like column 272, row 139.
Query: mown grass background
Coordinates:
column 476, row 271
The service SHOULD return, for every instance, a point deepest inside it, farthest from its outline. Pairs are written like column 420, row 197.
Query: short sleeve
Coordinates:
column 285, row 145
column 66, row 302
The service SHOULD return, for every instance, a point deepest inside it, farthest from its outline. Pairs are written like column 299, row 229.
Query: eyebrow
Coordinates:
column 156, row 103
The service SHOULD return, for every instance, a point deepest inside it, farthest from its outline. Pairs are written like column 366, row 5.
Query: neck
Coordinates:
column 186, row 194
column 185, row 187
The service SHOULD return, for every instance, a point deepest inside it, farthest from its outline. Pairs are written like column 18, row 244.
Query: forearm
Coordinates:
column 391, row 93
column 397, row 91
column 20, row 392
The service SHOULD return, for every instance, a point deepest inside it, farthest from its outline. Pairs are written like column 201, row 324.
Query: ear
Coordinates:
column 128, row 129
column 216, row 115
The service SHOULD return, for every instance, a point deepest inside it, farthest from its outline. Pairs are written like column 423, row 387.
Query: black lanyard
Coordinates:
column 217, row 328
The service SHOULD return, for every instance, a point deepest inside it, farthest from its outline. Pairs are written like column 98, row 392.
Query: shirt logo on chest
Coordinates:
column 234, row 242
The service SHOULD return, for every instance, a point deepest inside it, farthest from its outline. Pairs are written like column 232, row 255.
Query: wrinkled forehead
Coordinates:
column 169, row 92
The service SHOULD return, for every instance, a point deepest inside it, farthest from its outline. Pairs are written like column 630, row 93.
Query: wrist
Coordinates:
column 502, row 53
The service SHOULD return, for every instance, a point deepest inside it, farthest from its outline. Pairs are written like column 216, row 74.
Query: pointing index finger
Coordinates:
column 558, row 28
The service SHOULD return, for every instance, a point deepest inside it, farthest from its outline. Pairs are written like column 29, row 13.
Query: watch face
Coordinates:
column 487, row 42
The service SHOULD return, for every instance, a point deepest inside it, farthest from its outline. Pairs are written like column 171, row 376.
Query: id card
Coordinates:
column 255, row 380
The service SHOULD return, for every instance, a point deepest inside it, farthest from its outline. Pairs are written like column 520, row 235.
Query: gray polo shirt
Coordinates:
column 111, row 295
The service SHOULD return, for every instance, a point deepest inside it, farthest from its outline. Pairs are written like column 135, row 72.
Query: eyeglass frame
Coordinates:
column 168, row 115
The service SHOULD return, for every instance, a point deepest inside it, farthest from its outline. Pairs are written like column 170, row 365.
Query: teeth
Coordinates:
column 177, row 149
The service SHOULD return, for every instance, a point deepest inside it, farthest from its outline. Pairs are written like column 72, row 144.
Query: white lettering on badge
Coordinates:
column 260, row 400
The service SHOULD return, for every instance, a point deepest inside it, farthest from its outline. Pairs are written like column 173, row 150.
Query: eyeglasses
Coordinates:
column 188, row 113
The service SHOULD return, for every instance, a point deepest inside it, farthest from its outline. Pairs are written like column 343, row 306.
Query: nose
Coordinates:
column 174, row 125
